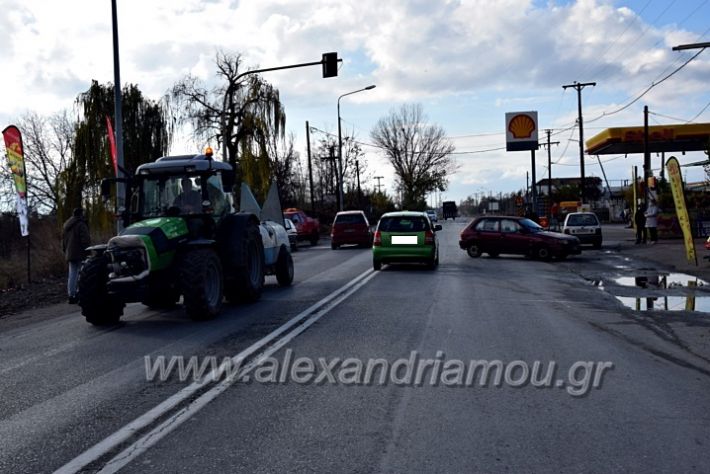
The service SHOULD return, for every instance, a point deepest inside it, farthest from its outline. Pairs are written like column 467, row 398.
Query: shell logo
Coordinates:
column 521, row 126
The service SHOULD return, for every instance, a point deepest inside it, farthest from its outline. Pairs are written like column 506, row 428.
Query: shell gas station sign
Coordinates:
column 521, row 131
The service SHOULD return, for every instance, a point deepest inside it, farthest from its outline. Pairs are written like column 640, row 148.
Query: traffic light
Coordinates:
column 330, row 65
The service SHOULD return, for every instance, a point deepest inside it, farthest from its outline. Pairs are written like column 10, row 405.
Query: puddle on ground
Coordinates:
column 661, row 280
column 667, row 303
column 655, row 280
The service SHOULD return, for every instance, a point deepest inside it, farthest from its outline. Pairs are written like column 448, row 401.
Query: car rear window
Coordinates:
column 350, row 219
column 582, row 219
column 403, row 224
column 488, row 225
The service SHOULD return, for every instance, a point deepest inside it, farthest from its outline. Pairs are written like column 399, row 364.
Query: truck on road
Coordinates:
column 449, row 210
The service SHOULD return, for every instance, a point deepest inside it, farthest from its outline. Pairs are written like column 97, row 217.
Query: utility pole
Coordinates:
column 527, row 185
column 331, row 158
column 310, row 167
column 549, row 164
column 379, row 185
column 646, row 156
column 579, row 86
column 359, row 191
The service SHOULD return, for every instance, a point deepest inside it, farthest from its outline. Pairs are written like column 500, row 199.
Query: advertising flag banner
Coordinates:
column 681, row 210
column 112, row 145
column 16, row 161
column 634, row 179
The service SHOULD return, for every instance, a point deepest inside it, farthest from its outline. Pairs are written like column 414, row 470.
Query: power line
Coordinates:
column 643, row 33
column 654, row 84
column 637, row 18
column 603, row 161
column 700, row 113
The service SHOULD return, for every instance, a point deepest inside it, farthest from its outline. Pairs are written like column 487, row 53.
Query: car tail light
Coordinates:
column 429, row 238
column 377, row 240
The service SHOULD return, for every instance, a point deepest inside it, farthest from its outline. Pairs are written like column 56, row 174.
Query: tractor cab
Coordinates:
column 182, row 186
column 187, row 186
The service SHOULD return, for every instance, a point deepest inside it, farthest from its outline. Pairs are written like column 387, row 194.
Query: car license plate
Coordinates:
column 404, row 240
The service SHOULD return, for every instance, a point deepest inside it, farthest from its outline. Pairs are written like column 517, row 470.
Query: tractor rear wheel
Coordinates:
column 201, row 283
column 247, row 282
column 284, row 268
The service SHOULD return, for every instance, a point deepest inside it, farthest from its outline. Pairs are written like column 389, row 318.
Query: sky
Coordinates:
column 467, row 62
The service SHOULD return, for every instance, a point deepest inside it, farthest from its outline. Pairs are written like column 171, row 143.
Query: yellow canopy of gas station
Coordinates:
column 668, row 138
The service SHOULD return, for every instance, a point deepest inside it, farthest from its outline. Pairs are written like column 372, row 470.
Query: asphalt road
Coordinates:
column 75, row 397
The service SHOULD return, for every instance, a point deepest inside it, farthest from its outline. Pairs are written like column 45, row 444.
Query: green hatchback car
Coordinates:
column 405, row 237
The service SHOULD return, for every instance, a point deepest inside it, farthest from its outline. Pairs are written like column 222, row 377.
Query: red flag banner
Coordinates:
column 16, row 161
column 112, row 145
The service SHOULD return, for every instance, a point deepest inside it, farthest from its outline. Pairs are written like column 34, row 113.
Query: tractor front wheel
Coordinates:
column 98, row 307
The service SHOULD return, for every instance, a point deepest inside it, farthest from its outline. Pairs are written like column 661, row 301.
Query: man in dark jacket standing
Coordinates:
column 75, row 240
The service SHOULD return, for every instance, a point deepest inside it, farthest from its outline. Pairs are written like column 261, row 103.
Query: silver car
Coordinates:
column 585, row 226
column 292, row 234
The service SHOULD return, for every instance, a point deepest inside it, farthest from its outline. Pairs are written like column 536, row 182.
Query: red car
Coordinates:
column 497, row 235
column 307, row 227
column 350, row 227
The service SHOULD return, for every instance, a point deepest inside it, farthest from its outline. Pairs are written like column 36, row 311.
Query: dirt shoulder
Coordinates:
column 39, row 294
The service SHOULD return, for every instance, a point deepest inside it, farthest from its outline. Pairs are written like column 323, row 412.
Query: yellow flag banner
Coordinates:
column 681, row 210
column 634, row 179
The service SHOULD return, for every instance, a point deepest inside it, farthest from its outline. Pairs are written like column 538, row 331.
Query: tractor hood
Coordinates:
column 171, row 227
column 159, row 236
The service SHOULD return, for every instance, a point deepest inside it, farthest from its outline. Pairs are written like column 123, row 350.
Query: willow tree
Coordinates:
column 241, row 114
column 419, row 152
column 147, row 134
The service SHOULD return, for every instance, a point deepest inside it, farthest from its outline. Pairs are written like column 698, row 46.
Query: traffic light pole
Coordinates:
column 329, row 63
column 330, row 69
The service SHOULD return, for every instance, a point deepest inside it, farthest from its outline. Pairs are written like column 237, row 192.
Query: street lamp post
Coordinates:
column 340, row 149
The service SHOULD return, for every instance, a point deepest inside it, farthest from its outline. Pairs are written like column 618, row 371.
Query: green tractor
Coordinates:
column 183, row 239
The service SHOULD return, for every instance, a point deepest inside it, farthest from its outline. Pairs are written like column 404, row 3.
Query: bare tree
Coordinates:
column 353, row 158
column 48, row 143
column 239, row 112
column 325, row 171
column 420, row 153
column 285, row 168
column 7, row 188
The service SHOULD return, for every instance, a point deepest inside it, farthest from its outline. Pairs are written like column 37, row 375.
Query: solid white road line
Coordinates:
column 315, row 311
column 184, row 414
